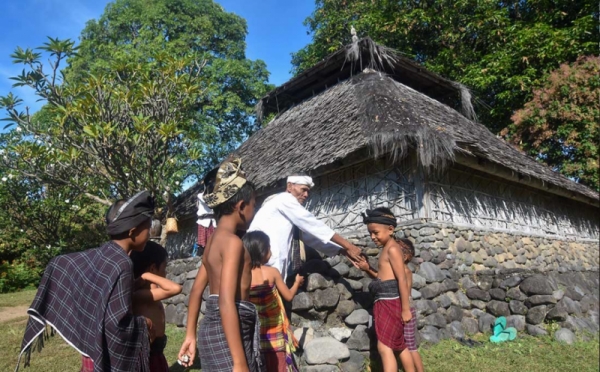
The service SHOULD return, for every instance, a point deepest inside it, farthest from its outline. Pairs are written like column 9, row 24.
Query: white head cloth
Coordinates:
column 301, row 180
column 204, row 209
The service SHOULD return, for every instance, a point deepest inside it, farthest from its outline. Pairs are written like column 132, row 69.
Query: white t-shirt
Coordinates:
column 277, row 218
column 203, row 209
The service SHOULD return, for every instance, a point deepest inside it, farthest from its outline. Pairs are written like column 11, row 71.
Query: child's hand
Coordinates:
column 299, row 279
column 363, row 265
column 188, row 349
column 151, row 332
column 406, row 315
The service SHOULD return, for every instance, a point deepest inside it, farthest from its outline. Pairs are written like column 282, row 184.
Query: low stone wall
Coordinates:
column 462, row 280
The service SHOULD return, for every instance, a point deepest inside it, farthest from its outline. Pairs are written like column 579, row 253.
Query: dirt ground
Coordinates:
column 10, row 313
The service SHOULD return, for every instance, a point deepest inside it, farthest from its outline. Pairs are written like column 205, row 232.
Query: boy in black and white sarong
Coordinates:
column 228, row 338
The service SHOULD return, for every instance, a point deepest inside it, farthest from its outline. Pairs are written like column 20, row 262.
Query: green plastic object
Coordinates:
column 499, row 325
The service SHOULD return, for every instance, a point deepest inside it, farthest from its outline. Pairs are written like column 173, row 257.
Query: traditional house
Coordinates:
column 493, row 228
column 374, row 128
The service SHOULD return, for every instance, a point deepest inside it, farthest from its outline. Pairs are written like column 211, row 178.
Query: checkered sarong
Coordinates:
column 410, row 331
column 387, row 314
column 212, row 345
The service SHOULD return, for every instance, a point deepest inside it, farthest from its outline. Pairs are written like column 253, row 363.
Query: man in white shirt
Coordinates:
column 282, row 212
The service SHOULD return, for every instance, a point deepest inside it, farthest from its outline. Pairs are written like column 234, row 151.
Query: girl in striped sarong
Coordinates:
column 277, row 341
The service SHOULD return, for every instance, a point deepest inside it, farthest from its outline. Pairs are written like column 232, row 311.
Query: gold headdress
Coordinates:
column 230, row 178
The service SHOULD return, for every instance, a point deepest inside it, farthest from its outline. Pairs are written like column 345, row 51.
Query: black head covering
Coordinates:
column 378, row 216
column 135, row 211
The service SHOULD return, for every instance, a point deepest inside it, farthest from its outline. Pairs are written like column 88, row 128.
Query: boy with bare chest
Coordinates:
column 391, row 310
column 228, row 338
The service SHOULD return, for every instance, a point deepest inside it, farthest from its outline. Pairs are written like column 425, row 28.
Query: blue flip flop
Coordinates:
column 508, row 334
column 503, row 336
column 512, row 333
column 499, row 325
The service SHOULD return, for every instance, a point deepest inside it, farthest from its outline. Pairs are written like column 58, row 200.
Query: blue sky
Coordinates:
column 275, row 30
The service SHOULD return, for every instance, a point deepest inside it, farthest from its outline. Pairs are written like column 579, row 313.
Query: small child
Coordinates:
column 391, row 310
column 410, row 328
column 150, row 269
column 277, row 341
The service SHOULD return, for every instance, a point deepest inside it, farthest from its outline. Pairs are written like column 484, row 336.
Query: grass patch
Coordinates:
column 21, row 298
column 524, row 354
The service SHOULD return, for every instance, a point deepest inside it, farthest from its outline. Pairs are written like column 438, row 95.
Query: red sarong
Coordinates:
column 158, row 362
column 387, row 315
column 204, row 233
column 87, row 364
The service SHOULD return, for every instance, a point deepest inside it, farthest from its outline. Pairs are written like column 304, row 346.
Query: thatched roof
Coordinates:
column 386, row 113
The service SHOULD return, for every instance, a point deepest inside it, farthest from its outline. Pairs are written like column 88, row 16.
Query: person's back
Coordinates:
column 150, row 269
column 218, row 248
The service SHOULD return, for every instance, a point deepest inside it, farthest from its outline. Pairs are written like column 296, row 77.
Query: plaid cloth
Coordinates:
column 387, row 314
column 275, row 332
column 410, row 331
column 86, row 297
column 295, row 254
column 213, row 349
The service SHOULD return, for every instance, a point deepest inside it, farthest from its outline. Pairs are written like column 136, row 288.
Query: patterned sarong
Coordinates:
column 410, row 331
column 387, row 314
column 275, row 332
column 212, row 345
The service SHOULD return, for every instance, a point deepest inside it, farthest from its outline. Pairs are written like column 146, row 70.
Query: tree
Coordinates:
column 38, row 222
column 157, row 92
column 561, row 124
column 136, row 30
column 498, row 49
column 110, row 134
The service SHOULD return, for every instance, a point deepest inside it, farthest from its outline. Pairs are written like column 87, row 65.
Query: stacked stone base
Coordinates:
column 448, row 305
column 463, row 279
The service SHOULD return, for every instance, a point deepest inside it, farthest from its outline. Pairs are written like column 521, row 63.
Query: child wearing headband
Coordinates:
column 391, row 310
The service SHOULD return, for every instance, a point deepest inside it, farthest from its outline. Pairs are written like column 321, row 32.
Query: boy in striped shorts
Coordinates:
column 410, row 328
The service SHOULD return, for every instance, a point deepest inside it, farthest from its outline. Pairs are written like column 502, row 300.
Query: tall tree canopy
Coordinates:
column 500, row 50
column 156, row 92
column 136, row 30
column 561, row 124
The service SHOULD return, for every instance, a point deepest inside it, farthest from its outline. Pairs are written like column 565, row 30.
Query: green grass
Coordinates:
column 17, row 298
column 57, row 356
column 526, row 354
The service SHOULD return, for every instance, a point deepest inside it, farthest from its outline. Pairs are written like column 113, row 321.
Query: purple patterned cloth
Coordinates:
column 213, row 348
column 410, row 331
column 86, row 297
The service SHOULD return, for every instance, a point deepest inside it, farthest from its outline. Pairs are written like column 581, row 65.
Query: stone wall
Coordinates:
column 462, row 280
